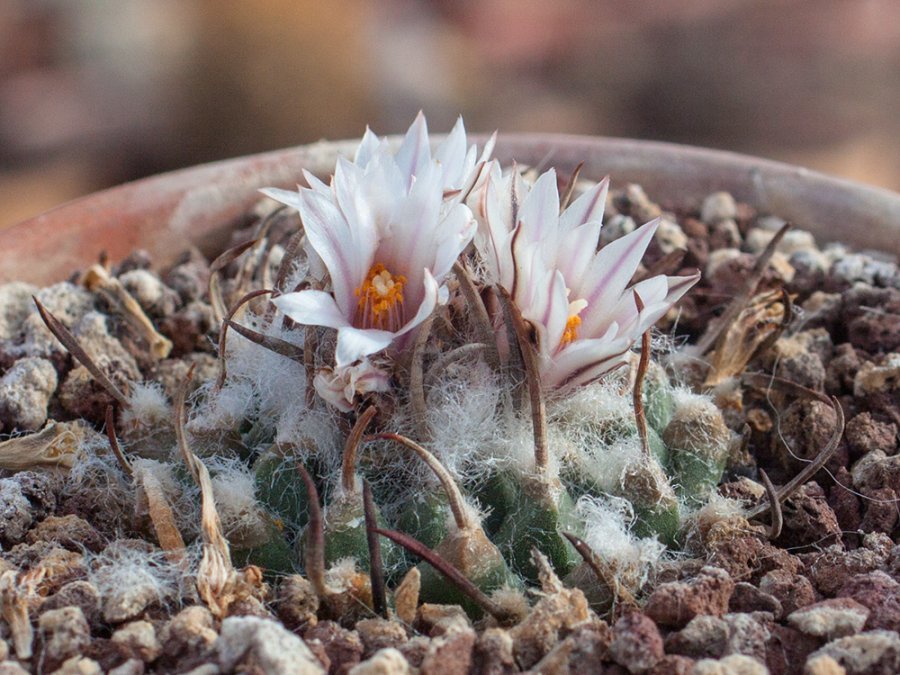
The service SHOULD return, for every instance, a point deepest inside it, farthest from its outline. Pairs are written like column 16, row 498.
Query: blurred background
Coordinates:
column 95, row 93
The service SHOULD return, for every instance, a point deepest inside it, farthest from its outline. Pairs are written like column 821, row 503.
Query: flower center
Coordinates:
column 380, row 302
column 570, row 334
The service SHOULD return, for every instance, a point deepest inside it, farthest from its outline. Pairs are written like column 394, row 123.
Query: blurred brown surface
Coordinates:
column 94, row 93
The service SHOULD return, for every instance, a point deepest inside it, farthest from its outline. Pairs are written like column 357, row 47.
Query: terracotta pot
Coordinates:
column 201, row 205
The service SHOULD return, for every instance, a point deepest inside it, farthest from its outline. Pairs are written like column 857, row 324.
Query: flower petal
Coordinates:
column 312, row 308
column 414, row 153
column 587, row 208
column 338, row 246
column 608, row 275
column 356, row 343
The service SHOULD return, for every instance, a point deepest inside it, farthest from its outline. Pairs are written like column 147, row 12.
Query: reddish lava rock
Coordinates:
column 881, row 594
column 675, row 603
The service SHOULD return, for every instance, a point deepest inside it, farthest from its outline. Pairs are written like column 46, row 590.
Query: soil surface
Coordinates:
column 89, row 585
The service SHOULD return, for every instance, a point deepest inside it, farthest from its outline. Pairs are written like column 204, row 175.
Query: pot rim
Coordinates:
column 201, row 205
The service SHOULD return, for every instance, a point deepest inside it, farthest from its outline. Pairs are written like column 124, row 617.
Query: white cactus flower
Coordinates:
column 387, row 229
column 577, row 298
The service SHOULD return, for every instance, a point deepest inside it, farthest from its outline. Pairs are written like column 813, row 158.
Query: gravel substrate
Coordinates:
column 86, row 588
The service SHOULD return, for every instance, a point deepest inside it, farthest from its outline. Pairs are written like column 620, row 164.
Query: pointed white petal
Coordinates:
column 338, row 247
column 587, row 208
column 608, row 275
column 288, row 197
column 585, row 360
column 312, row 308
column 414, row 153
column 539, row 213
column 356, row 343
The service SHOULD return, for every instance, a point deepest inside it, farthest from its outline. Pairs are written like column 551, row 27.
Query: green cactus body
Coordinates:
column 498, row 495
column 540, row 513
column 698, row 442
column 425, row 518
column 656, row 509
column 473, row 554
column 659, row 401
column 345, row 534
column 280, row 489
column 273, row 554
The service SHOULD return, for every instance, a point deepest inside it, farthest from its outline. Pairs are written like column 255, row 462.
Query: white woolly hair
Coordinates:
column 122, row 570
column 607, row 522
column 340, row 575
column 689, row 405
column 148, row 405
column 234, row 491
column 97, row 472
column 717, row 508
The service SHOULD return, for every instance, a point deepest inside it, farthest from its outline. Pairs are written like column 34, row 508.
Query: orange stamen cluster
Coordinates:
column 570, row 334
column 380, row 302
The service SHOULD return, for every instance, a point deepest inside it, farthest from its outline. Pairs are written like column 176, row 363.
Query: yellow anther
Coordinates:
column 380, row 302
column 570, row 334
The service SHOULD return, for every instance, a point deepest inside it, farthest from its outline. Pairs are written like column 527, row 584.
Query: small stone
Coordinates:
column 725, row 234
column 557, row 613
column 15, row 305
column 616, row 228
column 876, row 471
column 25, row 392
column 702, row 638
column 79, row 665
column 15, row 512
column 343, row 647
column 65, row 633
column 876, row 652
column 433, row 619
column 880, row 594
column 808, row 518
column 378, row 634
column 137, row 640
column 250, row 643
column 12, row 668
column 756, row 240
column 787, row 648
column 636, row 644
column 387, row 661
column 792, row 590
column 296, row 602
column 674, row 604
column 830, row 619
column 735, row 664
column 450, row 653
column 832, row 568
column 635, row 201
column 823, row 665
column 864, row 433
column 582, row 651
column 875, row 378
column 748, row 598
column 493, row 654
column 188, row 635
column 718, row 206
column 669, row 236
column 673, row 664
column 129, row 667
column 81, row 594
column 70, row 532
